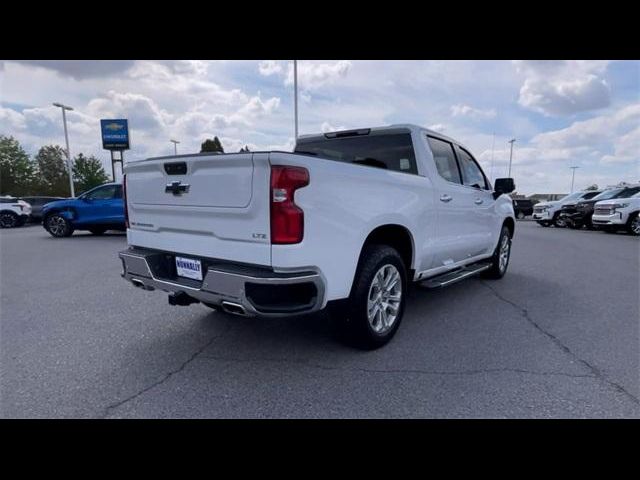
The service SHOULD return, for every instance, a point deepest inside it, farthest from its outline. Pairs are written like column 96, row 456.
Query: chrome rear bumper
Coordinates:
column 238, row 289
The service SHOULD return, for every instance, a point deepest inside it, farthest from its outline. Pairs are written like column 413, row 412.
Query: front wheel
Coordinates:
column 58, row 226
column 501, row 256
column 559, row 221
column 8, row 220
column 375, row 307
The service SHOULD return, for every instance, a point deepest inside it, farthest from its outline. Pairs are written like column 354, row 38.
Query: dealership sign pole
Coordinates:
column 115, row 138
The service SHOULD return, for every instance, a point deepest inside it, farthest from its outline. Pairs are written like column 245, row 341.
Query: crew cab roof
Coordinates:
column 395, row 128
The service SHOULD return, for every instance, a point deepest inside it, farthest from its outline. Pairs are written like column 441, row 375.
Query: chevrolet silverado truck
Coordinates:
column 619, row 213
column 348, row 220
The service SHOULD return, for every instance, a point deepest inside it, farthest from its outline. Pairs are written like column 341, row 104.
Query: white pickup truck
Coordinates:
column 347, row 219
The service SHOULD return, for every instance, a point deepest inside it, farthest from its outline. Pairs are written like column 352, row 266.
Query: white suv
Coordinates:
column 13, row 212
column 618, row 213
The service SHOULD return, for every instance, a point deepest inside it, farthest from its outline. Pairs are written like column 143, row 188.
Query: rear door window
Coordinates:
column 445, row 159
column 103, row 193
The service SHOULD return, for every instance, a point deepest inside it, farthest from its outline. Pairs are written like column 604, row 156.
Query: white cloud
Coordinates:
column 436, row 127
column 269, row 67
column 563, row 87
column 327, row 127
column 312, row 75
column 462, row 110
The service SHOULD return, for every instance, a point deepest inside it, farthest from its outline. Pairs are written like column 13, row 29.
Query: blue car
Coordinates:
column 97, row 210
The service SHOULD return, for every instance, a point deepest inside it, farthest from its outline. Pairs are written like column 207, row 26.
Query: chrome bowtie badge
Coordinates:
column 177, row 188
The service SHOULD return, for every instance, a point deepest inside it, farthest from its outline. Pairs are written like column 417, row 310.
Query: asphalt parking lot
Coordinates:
column 557, row 337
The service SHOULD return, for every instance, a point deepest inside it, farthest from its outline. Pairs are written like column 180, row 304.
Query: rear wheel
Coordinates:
column 501, row 256
column 633, row 225
column 8, row 220
column 58, row 226
column 372, row 315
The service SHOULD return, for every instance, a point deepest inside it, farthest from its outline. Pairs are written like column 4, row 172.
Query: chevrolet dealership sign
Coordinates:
column 115, row 134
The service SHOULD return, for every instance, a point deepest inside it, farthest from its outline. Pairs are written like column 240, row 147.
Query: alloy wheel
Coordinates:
column 385, row 296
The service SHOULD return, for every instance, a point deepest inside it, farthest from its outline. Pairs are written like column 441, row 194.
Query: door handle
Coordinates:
column 445, row 198
column 478, row 201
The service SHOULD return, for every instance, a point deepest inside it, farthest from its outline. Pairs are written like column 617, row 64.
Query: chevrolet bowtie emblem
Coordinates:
column 177, row 188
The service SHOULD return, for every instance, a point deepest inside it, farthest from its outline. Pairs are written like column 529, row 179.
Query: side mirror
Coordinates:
column 503, row 185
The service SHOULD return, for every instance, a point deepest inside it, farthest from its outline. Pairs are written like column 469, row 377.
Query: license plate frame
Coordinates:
column 190, row 268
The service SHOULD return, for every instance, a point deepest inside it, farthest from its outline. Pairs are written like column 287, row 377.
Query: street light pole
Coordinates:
column 175, row 146
column 573, row 176
column 511, row 155
column 295, row 96
column 66, row 139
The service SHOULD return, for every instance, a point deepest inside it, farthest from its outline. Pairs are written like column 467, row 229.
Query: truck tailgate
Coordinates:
column 212, row 206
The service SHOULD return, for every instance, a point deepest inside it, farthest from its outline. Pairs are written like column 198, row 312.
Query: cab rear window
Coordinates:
column 393, row 151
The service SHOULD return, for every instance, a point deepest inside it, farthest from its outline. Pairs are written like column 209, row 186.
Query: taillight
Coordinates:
column 124, row 199
column 287, row 219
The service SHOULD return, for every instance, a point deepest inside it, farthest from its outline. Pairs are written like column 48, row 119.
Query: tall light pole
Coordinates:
column 512, row 141
column 573, row 176
column 66, row 138
column 295, row 97
column 493, row 144
column 175, row 146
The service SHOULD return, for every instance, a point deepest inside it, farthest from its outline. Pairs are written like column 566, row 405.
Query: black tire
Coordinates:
column 559, row 222
column 377, row 264
column 633, row 224
column 58, row 226
column 8, row 220
column 98, row 230
column 498, row 268
column 574, row 226
column 520, row 215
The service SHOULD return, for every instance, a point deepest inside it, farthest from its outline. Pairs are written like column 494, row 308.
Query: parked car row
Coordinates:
column 96, row 210
column 611, row 210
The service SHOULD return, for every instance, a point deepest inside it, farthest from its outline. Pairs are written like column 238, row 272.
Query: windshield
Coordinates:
column 628, row 192
column 571, row 196
column 607, row 194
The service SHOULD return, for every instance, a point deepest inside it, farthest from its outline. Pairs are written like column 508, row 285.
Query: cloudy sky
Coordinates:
column 562, row 113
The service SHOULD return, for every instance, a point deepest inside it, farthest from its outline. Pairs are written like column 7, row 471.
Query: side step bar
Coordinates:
column 450, row 278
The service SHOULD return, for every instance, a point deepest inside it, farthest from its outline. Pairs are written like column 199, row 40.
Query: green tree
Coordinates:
column 245, row 149
column 53, row 178
column 88, row 172
column 211, row 145
column 17, row 171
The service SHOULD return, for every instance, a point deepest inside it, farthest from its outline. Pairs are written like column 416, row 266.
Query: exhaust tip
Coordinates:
column 140, row 284
column 234, row 308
